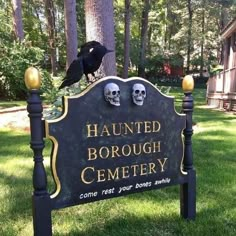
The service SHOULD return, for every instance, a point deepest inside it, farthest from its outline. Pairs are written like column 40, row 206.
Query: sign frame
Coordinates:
column 44, row 202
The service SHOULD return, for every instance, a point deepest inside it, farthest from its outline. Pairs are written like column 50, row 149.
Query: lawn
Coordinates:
column 8, row 104
column 145, row 214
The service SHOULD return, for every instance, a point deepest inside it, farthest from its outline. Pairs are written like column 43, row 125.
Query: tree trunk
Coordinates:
column 70, row 31
column 100, row 27
column 144, row 31
column 189, row 36
column 223, row 22
column 149, row 43
column 170, row 25
column 166, row 24
column 126, row 39
column 50, row 15
column 202, row 39
column 40, row 22
column 17, row 19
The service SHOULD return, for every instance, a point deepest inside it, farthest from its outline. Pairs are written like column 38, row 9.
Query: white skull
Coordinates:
column 112, row 94
column 138, row 94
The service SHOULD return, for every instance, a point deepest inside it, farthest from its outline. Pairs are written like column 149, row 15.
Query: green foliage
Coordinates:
column 54, row 96
column 5, row 26
column 16, row 57
column 167, row 34
column 48, row 88
column 155, row 64
column 214, row 69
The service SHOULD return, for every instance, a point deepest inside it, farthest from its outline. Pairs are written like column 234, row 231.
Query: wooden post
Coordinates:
column 40, row 199
column 188, row 190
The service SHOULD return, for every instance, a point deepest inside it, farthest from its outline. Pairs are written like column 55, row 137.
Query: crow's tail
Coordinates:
column 62, row 85
column 65, row 82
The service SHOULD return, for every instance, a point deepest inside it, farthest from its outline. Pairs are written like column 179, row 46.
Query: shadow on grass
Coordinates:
column 206, row 115
column 19, row 192
column 207, row 223
column 16, row 173
column 214, row 158
column 216, row 213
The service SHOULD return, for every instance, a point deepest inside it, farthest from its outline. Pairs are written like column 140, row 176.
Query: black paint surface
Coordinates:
column 90, row 108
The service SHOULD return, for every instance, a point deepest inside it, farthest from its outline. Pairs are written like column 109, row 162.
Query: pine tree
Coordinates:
column 100, row 27
column 17, row 19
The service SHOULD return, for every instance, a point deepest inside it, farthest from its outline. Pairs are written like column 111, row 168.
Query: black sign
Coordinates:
column 117, row 137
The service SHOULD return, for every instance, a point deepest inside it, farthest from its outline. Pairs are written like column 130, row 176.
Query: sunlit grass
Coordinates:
column 8, row 104
column 145, row 214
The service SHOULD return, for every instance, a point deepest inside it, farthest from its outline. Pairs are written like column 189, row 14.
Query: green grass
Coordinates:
column 8, row 104
column 144, row 214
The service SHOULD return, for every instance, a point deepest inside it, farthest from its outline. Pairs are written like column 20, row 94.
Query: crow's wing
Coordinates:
column 89, row 62
column 75, row 69
column 74, row 73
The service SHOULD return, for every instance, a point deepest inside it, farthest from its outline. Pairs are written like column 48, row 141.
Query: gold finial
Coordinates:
column 188, row 83
column 32, row 78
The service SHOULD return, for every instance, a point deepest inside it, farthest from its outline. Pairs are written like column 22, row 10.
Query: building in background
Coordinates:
column 221, row 87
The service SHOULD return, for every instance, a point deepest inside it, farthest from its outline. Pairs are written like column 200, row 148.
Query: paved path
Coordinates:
column 14, row 118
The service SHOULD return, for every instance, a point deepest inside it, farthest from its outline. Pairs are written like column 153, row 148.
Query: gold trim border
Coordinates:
column 55, row 147
column 65, row 112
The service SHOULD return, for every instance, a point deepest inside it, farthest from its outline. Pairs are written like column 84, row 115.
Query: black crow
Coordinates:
column 88, row 61
column 88, row 47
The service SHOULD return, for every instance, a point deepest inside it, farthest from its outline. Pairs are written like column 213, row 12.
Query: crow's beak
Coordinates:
column 108, row 50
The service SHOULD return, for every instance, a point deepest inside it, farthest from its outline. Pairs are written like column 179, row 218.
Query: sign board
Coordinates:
column 115, row 138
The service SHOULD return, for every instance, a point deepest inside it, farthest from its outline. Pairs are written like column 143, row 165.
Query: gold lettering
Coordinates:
column 92, row 132
column 113, row 175
column 117, row 129
column 156, row 126
column 130, row 128
column 138, row 123
column 83, row 175
column 147, row 127
column 134, row 167
column 143, row 169
column 134, row 149
column 114, row 129
column 114, row 151
column 92, row 154
column 101, row 174
column 123, row 150
column 148, row 150
column 104, row 152
column 152, row 168
column 105, row 131
column 162, row 163
column 125, row 172
column 156, row 146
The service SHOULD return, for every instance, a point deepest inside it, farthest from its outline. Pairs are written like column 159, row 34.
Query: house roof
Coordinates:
column 229, row 28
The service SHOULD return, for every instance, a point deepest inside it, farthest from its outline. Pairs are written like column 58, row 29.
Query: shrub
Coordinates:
column 16, row 57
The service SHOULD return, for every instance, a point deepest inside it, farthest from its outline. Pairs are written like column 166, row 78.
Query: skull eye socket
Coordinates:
column 143, row 92
column 115, row 92
column 136, row 91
